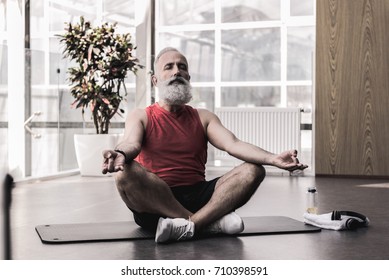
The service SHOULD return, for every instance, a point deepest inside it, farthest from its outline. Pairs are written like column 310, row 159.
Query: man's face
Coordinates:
column 172, row 78
column 172, row 64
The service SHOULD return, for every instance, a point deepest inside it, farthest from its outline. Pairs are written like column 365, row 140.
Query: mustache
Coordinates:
column 177, row 79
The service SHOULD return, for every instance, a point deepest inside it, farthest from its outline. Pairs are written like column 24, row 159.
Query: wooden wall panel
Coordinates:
column 352, row 99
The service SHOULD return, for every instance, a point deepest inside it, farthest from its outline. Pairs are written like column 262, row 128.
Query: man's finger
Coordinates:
column 111, row 166
column 293, row 153
column 107, row 154
column 119, row 168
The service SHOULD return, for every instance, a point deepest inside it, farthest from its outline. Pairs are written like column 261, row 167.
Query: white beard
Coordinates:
column 175, row 91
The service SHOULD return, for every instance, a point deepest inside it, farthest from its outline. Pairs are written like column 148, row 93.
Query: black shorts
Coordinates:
column 192, row 197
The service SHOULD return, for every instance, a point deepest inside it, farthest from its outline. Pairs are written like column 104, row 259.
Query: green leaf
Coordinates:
column 100, row 54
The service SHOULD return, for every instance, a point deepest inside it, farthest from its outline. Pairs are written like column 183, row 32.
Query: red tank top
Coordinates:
column 174, row 146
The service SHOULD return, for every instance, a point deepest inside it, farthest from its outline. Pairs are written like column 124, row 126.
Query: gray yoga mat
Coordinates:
column 126, row 230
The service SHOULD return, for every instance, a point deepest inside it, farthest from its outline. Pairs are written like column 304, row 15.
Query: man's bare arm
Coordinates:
column 225, row 140
column 131, row 144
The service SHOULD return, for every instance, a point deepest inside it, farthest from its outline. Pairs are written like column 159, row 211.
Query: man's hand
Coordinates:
column 288, row 160
column 113, row 162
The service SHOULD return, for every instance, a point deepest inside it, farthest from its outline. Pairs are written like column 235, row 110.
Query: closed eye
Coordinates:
column 168, row 66
column 181, row 66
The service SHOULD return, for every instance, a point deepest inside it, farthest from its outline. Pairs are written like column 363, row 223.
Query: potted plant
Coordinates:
column 102, row 60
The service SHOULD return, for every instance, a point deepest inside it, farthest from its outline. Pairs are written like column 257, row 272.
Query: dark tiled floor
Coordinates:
column 94, row 199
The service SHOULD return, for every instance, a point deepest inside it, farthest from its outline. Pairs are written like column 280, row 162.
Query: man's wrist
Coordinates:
column 123, row 153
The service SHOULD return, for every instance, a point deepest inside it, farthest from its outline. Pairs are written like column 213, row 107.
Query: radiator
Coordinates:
column 273, row 129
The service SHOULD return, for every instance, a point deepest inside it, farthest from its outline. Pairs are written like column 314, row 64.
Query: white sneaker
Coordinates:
column 174, row 229
column 228, row 224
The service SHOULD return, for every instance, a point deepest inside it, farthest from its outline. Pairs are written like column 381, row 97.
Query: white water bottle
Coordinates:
column 312, row 200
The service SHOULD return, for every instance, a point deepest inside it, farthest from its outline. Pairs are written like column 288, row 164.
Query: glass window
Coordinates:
column 37, row 20
column 4, row 148
column 3, row 16
column 301, row 44
column 127, row 105
column 3, row 88
column 248, row 10
column 37, row 59
column 46, row 101
column 130, row 78
column 66, row 151
column 66, row 112
column 234, row 56
column 301, row 7
column 58, row 64
column 44, row 150
column 250, row 96
column 251, row 54
column 176, row 12
column 70, row 11
column 203, row 98
column 199, row 48
column 3, row 104
column 3, row 64
column 3, row 84
column 120, row 11
column 46, row 75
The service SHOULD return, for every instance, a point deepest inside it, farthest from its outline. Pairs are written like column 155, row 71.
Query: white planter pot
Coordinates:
column 89, row 148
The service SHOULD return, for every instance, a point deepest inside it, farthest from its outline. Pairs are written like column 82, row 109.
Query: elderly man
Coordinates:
column 160, row 163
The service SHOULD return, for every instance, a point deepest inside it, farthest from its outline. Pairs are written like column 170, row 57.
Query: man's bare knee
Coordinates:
column 120, row 180
column 253, row 175
column 144, row 192
column 254, row 172
column 128, row 183
column 129, row 176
